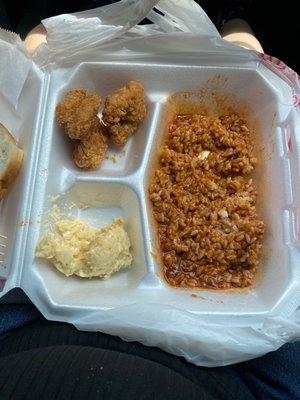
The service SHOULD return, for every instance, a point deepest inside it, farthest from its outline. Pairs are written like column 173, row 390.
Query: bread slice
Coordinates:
column 10, row 160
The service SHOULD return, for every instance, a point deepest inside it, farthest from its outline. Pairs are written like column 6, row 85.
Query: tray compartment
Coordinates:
column 97, row 204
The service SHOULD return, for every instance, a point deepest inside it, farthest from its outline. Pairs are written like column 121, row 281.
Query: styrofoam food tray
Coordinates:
column 120, row 189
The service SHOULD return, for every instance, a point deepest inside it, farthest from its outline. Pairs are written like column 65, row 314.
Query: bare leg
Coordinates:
column 239, row 32
column 34, row 38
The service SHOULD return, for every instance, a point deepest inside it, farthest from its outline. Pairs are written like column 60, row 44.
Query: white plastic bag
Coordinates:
column 180, row 33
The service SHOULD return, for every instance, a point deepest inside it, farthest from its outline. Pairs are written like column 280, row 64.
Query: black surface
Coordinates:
column 277, row 27
column 47, row 360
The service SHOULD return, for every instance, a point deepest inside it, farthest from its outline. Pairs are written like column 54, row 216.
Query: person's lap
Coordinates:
column 42, row 359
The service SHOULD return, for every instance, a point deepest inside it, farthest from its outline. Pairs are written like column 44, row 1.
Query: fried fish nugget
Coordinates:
column 90, row 151
column 121, row 133
column 77, row 112
column 123, row 111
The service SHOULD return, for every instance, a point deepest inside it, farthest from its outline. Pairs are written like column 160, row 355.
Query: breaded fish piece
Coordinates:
column 90, row 151
column 123, row 111
column 77, row 112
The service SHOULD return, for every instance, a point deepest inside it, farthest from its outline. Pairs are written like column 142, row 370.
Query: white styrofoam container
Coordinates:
column 120, row 189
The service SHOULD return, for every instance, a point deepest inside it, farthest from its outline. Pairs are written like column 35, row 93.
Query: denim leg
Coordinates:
column 13, row 316
column 275, row 375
